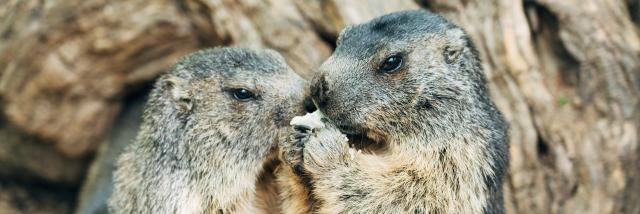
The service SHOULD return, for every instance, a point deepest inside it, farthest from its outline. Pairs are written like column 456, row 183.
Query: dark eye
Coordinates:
column 391, row 64
column 242, row 95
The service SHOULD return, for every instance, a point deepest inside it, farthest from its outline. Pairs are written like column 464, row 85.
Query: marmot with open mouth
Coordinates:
column 408, row 91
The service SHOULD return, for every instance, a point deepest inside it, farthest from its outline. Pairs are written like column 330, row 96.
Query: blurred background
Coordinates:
column 74, row 75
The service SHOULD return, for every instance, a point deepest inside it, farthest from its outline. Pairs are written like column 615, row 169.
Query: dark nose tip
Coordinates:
column 319, row 91
column 309, row 106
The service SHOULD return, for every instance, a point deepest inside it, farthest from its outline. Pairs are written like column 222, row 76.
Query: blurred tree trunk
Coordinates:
column 566, row 73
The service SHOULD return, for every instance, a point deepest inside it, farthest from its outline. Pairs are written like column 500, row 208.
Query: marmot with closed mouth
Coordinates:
column 209, row 135
column 408, row 90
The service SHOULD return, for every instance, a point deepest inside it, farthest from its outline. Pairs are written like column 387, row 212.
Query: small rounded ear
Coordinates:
column 457, row 41
column 178, row 91
column 451, row 54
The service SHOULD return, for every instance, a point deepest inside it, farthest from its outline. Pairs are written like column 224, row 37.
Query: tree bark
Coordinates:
column 566, row 74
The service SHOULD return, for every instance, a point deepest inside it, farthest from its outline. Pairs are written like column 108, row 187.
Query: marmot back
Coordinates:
column 407, row 89
column 210, row 127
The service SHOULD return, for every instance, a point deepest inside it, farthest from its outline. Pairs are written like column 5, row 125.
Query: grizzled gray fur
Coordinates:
column 209, row 131
column 409, row 92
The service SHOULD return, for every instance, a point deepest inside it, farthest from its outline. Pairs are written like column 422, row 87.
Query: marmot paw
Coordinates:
column 291, row 149
column 324, row 149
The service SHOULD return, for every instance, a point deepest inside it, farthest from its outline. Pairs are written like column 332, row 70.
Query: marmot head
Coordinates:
column 391, row 76
column 231, row 95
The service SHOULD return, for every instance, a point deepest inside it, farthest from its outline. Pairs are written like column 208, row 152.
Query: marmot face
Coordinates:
column 234, row 94
column 208, row 136
column 397, row 72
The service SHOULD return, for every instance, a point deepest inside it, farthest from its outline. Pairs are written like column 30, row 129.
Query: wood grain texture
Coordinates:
column 566, row 75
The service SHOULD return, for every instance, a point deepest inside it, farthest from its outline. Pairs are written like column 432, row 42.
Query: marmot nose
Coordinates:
column 319, row 91
column 309, row 106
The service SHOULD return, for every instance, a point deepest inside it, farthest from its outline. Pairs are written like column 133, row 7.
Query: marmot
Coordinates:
column 408, row 90
column 209, row 133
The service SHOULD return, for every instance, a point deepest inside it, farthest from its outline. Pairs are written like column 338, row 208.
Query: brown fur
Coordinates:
column 201, row 148
column 432, row 140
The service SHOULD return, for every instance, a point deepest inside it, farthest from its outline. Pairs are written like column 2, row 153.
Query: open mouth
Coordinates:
column 358, row 139
column 361, row 142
